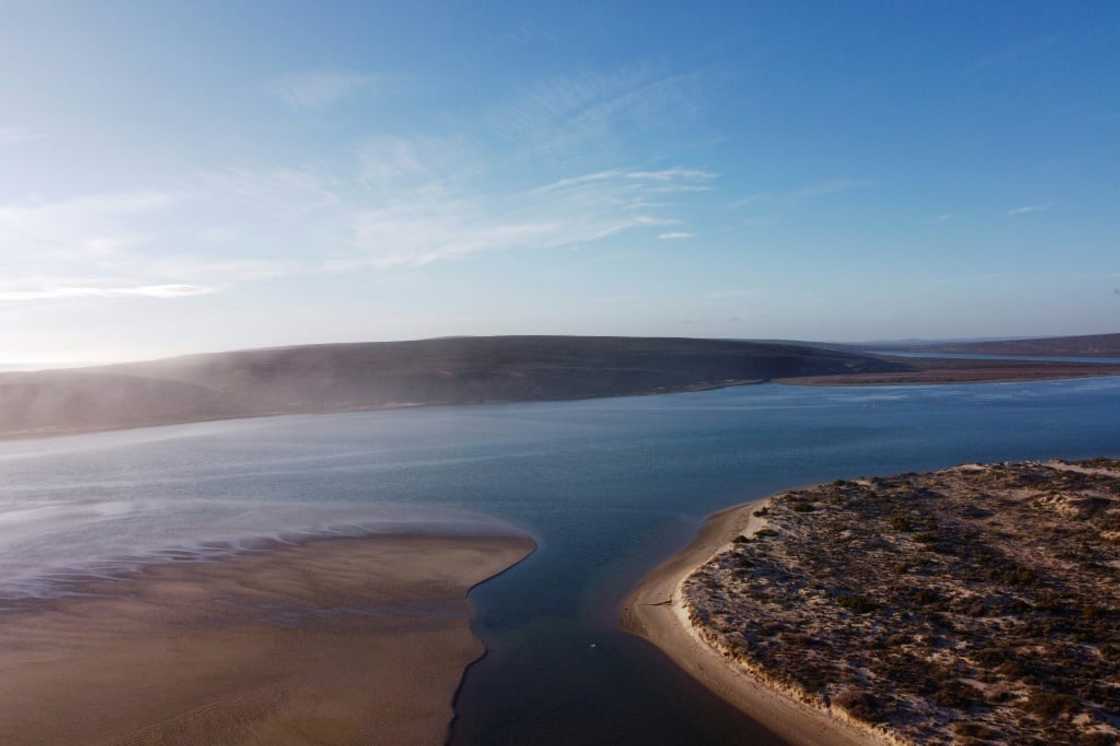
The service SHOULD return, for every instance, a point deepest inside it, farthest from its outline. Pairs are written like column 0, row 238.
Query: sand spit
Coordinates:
column 977, row 604
column 341, row 641
column 655, row 611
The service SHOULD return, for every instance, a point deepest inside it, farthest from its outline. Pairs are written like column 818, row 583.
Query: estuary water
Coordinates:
column 608, row 487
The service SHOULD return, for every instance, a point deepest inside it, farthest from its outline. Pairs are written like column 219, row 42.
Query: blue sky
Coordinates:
column 205, row 176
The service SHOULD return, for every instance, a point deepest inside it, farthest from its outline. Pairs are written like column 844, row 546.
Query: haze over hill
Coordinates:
column 341, row 377
column 1103, row 345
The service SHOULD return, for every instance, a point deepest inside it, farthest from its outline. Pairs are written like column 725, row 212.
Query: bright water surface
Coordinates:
column 608, row 487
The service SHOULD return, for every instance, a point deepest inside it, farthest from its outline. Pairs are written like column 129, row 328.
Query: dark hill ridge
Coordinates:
column 342, row 377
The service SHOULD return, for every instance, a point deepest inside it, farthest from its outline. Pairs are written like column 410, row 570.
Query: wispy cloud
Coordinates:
column 809, row 191
column 674, row 236
column 1028, row 209
column 396, row 209
column 579, row 181
column 17, row 136
column 730, row 294
column 385, row 200
column 139, row 291
column 432, row 226
column 592, row 112
column 750, row 199
column 391, row 163
column 653, row 220
column 654, row 182
column 673, row 174
column 114, row 203
column 109, row 245
column 320, row 89
column 831, row 186
column 79, row 227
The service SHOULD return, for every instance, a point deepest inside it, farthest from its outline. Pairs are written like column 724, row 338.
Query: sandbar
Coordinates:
column 337, row 641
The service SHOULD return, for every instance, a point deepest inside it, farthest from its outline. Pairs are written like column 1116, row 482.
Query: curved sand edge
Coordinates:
column 450, row 730
column 345, row 641
column 655, row 612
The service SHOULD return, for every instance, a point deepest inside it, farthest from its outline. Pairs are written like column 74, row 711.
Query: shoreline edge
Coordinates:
column 655, row 612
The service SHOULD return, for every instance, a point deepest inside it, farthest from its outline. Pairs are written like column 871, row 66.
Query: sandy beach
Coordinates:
column 654, row 611
column 340, row 641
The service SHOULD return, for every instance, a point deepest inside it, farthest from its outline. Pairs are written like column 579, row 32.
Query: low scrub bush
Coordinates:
column 860, row 704
column 1049, row 705
column 857, row 604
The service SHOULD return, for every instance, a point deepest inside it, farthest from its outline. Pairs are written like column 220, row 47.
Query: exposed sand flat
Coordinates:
column 655, row 612
column 342, row 641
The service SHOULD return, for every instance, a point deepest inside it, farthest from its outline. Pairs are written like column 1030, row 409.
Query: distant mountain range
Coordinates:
column 343, row 377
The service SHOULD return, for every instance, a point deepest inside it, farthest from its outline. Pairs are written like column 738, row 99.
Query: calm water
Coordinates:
column 608, row 487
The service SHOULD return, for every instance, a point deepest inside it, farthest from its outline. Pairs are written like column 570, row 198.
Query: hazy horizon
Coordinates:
column 181, row 179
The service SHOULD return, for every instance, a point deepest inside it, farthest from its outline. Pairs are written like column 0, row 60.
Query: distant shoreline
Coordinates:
column 939, row 371
column 691, row 389
column 312, row 379
column 932, row 376
column 320, row 379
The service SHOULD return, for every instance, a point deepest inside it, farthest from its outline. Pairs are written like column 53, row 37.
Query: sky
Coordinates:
column 184, row 177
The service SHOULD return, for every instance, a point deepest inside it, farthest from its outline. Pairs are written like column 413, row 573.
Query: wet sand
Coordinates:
column 654, row 611
column 340, row 641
